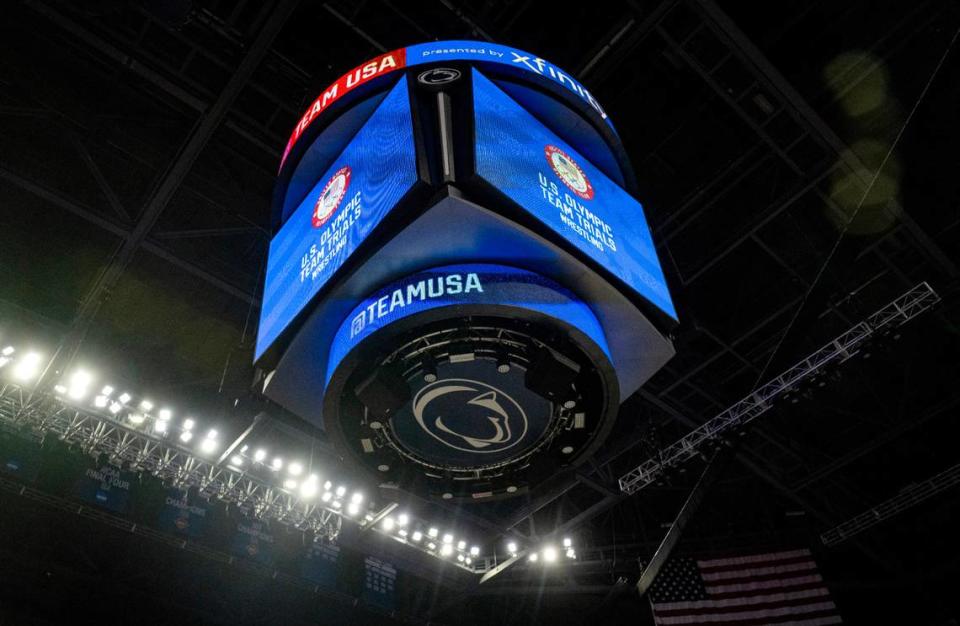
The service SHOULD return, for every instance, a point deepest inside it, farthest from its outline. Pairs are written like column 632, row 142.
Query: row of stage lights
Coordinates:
column 77, row 387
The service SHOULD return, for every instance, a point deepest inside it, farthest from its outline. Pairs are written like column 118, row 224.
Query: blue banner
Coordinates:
column 553, row 182
column 107, row 486
column 253, row 541
column 372, row 173
column 379, row 584
column 319, row 565
column 180, row 517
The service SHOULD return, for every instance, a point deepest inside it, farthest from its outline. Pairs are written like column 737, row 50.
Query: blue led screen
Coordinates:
column 362, row 185
column 452, row 285
column 553, row 182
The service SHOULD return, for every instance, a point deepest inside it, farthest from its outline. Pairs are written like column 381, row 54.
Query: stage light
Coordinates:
column 208, row 445
column 326, row 496
column 337, row 504
column 402, row 519
column 328, row 485
column 7, row 351
column 236, row 460
column 368, row 517
column 124, row 397
column 533, row 557
column 402, row 532
column 295, row 469
column 212, row 433
column 186, row 436
column 461, row 545
column 260, row 455
column 135, row 418
column 432, row 532
column 60, row 389
column 446, row 550
column 308, row 489
column 107, row 390
column 116, row 407
column 567, row 542
column 79, row 384
column 27, row 367
column 474, row 550
column 290, row 484
column 417, row 535
column 460, row 558
column 4, row 360
column 512, row 547
column 357, row 498
column 160, row 427
column 277, row 464
column 432, row 546
column 147, row 406
column 341, row 490
column 101, row 401
column 388, row 524
column 549, row 554
column 571, row 554
column 353, row 508
column 188, row 423
column 448, row 538
column 244, row 448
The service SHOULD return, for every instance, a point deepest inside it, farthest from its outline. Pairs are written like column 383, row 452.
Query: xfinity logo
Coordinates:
column 544, row 68
column 469, row 415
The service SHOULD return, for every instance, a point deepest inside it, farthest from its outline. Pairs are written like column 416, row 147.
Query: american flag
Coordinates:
column 773, row 588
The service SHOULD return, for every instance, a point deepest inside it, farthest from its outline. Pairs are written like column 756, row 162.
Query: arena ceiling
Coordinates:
column 139, row 145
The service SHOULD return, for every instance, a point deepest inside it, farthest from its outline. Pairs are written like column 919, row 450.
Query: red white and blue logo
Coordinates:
column 568, row 171
column 331, row 196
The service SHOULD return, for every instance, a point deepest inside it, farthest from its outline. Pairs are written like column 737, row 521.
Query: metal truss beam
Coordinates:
column 910, row 497
column 42, row 414
column 759, row 401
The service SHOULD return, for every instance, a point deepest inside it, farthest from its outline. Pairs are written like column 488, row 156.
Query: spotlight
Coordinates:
column 432, row 546
column 432, row 532
column 135, row 418
column 107, row 390
column 402, row 519
column 124, row 397
column 337, row 504
column 101, row 401
column 295, row 469
column 402, row 532
column 353, row 508
column 549, row 554
column 186, row 436
column 388, row 524
column 341, row 490
column 474, row 550
column 460, row 558
column 417, row 535
column 7, row 351
column 236, row 460
column 60, row 389
column 116, row 407
column 308, row 489
column 461, row 545
column 289, row 484
column 512, row 547
column 446, row 550
column 160, row 427
column 277, row 464
column 533, row 557
column 188, row 423
column 79, row 384
column 260, row 455
column 208, row 445
column 571, row 554
column 28, row 367
column 147, row 406
column 357, row 498
column 212, row 433
column 326, row 496
column 567, row 542
column 328, row 485
column 448, row 538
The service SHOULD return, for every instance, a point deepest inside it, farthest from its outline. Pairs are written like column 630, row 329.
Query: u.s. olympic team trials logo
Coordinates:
column 469, row 415
column 569, row 172
column 331, row 196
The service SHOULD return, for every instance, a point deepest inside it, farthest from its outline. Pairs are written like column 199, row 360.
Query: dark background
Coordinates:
column 134, row 220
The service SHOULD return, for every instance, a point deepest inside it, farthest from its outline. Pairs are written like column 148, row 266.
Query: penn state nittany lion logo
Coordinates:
column 469, row 415
column 569, row 172
column 331, row 196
